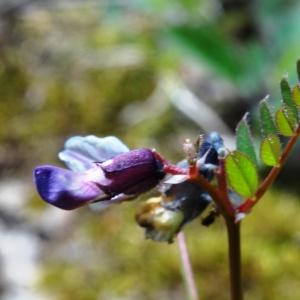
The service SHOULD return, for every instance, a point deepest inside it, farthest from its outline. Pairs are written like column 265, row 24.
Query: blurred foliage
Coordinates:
column 94, row 67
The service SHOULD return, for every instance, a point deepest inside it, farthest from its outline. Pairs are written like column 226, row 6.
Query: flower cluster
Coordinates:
column 103, row 171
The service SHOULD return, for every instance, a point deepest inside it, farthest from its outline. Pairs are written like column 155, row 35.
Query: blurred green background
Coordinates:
column 153, row 73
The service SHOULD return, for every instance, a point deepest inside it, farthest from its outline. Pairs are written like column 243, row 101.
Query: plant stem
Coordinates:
column 275, row 171
column 187, row 268
column 234, row 241
column 218, row 195
column 248, row 204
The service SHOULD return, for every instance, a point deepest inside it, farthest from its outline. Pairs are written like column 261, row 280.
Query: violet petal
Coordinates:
column 67, row 189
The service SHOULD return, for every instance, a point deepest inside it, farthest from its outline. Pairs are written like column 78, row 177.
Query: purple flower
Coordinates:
column 102, row 171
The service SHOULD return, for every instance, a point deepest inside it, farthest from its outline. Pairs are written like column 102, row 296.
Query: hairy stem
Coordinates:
column 234, row 242
column 187, row 268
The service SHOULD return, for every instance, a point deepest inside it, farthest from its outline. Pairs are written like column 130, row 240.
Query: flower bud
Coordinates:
column 160, row 223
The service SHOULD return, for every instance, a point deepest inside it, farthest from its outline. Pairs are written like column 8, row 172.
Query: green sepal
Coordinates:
column 270, row 150
column 266, row 119
column 285, row 121
column 296, row 95
column 241, row 174
column 244, row 141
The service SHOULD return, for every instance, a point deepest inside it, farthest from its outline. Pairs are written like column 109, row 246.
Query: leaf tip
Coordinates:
column 246, row 117
column 298, row 68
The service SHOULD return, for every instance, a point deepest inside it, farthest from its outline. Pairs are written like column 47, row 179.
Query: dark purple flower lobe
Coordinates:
column 132, row 173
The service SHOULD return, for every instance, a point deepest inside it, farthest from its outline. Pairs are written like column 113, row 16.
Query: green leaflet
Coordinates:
column 270, row 150
column 241, row 174
column 244, row 141
column 286, row 93
column 296, row 95
column 266, row 119
column 285, row 121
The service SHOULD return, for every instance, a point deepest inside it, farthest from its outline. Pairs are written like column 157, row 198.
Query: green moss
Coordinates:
column 118, row 261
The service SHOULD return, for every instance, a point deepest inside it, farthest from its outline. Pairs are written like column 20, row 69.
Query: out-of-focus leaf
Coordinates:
column 241, row 173
column 206, row 43
column 286, row 94
column 266, row 119
column 296, row 94
column 285, row 121
column 270, row 150
column 244, row 141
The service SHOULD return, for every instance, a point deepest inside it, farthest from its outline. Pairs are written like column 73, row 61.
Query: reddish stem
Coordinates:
column 218, row 194
column 234, row 243
column 249, row 203
column 221, row 176
column 168, row 167
column 222, row 185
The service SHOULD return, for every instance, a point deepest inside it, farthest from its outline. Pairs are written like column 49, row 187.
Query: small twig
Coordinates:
column 187, row 268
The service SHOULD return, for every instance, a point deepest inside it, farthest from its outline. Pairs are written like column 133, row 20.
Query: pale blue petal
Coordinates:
column 80, row 153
